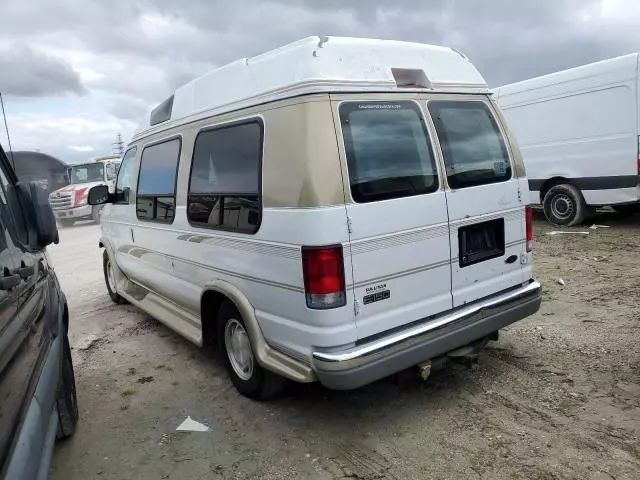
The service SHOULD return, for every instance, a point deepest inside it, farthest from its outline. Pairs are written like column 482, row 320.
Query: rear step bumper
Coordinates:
column 363, row 364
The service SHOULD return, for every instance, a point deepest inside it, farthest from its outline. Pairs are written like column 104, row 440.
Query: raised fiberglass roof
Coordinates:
column 314, row 65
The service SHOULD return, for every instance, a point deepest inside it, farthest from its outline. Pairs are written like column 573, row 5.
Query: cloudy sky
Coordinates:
column 74, row 73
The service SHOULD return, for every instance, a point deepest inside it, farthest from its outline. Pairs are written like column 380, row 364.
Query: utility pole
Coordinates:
column 118, row 146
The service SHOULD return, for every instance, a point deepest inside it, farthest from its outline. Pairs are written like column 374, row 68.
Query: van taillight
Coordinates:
column 638, row 164
column 323, row 271
column 529, row 221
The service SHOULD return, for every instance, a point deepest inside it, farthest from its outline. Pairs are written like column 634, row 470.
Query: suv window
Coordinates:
column 156, row 195
column 11, row 208
column 472, row 145
column 224, row 187
column 389, row 153
column 125, row 176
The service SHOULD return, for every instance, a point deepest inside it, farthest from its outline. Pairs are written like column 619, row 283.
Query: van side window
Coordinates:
column 389, row 153
column 125, row 176
column 224, row 187
column 472, row 145
column 156, row 195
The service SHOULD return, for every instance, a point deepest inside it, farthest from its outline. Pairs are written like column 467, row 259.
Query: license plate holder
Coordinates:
column 480, row 242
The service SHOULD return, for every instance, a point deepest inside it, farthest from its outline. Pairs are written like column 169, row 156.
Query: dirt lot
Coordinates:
column 558, row 396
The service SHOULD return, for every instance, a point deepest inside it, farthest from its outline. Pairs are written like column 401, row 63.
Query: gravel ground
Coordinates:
column 557, row 397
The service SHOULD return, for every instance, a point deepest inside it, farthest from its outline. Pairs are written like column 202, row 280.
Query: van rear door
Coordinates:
column 485, row 199
column 397, row 214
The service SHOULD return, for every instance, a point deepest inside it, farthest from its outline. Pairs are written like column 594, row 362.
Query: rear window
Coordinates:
column 388, row 150
column 472, row 145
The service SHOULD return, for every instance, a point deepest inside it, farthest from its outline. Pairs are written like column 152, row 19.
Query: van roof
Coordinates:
column 613, row 69
column 317, row 65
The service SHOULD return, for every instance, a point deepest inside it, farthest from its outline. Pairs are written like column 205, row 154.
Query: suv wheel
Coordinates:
column 564, row 205
column 110, row 279
column 249, row 378
column 67, row 401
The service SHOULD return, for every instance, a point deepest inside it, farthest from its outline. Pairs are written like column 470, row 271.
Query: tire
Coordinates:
column 110, row 282
column 627, row 210
column 67, row 402
column 95, row 213
column 66, row 222
column 249, row 378
column 564, row 205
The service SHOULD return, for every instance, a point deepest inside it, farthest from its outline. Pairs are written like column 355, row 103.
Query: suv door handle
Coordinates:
column 24, row 272
column 8, row 281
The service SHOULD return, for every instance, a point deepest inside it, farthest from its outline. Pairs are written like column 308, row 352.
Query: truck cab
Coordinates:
column 70, row 203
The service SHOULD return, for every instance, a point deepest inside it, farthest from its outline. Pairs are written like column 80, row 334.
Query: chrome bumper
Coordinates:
column 472, row 320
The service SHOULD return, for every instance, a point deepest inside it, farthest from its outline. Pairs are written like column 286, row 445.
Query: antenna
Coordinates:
column 6, row 127
column 118, row 146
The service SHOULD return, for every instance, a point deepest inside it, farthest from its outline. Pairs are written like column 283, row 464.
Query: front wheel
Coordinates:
column 110, row 279
column 564, row 205
column 249, row 378
column 67, row 401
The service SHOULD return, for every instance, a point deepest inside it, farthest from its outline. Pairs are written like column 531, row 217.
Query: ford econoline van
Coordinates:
column 336, row 210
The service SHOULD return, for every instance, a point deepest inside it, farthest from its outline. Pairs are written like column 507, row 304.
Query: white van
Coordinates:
column 338, row 210
column 579, row 135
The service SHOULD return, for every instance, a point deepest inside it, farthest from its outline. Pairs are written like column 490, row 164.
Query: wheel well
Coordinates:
column 552, row 182
column 209, row 307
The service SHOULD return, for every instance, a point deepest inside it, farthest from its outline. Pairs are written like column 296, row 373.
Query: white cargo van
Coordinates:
column 338, row 210
column 579, row 135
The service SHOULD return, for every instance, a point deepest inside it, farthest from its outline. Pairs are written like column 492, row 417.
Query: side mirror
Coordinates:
column 41, row 223
column 99, row 195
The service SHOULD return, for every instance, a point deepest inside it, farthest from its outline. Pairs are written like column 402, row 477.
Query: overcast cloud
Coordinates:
column 75, row 73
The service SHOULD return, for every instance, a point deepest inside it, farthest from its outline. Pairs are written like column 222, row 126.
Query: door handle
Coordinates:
column 9, row 281
column 24, row 272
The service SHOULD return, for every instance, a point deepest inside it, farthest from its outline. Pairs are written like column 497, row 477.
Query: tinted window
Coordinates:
column 125, row 176
column 224, row 188
column 472, row 145
column 388, row 150
column 155, row 198
column 158, row 168
column 11, row 210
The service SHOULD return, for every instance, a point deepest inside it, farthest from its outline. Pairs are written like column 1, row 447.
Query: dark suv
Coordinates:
column 37, row 386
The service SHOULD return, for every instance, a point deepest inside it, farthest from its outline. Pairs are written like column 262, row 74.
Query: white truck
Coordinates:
column 579, row 135
column 69, row 203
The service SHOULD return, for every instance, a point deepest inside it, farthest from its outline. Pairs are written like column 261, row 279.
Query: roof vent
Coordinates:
column 162, row 112
column 410, row 78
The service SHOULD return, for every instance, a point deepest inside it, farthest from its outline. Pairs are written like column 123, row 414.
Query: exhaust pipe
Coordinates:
column 424, row 370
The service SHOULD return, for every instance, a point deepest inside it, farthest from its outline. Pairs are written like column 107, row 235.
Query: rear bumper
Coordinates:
column 78, row 212
column 363, row 364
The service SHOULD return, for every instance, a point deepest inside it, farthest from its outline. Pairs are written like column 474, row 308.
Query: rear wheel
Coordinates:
column 110, row 279
column 67, row 401
column 249, row 378
column 564, row 205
